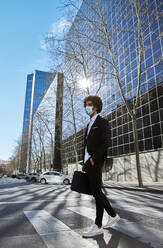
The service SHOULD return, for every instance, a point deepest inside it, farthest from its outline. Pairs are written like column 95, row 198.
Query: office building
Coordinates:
column 36, row 87
column 46, row 135
column 121, row 21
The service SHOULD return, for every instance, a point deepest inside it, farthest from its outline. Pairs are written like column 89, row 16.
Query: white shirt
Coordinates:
column 92, row 120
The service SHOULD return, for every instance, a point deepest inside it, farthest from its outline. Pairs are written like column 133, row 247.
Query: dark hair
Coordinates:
column 96, row 100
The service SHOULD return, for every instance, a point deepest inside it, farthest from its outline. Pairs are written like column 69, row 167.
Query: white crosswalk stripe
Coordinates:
column 146, row 211
column 141, row 232
column 133, row 198
column 136, row 194
column 52, row 231
column 44, row 223
column 87, row 212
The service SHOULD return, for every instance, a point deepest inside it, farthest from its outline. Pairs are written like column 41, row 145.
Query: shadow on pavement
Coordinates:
column 118, row 240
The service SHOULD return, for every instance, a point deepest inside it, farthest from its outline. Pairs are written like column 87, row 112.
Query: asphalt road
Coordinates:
column 35, row 215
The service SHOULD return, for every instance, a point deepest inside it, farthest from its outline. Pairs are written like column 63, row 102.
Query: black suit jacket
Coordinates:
column 98, row 140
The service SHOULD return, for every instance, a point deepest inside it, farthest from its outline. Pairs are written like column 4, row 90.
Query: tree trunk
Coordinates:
column 157, row 166
column 137, row 152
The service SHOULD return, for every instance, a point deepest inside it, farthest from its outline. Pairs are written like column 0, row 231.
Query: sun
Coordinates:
column 84, row 83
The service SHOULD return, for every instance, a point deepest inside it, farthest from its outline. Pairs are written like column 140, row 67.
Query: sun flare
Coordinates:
column 84, row 83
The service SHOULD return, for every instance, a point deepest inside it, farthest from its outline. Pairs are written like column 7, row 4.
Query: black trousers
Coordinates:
column 94, row 173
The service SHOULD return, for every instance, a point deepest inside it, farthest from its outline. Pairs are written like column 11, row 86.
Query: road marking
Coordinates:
column 71, row 199
column 134, row 230
column 140, row 209
column 54, row 232
column 131, row 199
column 18, row 202
column 146, row 211
column 137, row 195
column 87, row 212
column 44, row 223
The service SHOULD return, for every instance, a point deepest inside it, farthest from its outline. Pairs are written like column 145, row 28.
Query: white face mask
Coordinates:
column 89, row 110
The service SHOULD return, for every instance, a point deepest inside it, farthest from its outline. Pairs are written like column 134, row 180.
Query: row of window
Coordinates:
column 125, row 124
column 144, row 145
column 152, row 106
column 119, row 137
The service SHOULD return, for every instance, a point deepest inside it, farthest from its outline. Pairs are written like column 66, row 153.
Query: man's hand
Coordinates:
column 92, row 162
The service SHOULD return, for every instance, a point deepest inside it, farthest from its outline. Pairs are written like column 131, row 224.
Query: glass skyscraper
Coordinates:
column 37, row 85
column 47, row 129
column 27, row 102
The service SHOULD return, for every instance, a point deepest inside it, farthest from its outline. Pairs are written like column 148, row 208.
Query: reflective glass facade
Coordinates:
column 121, row 21
column 149, row 124
column 37, row 85
column 27, row 102
column 40, row 81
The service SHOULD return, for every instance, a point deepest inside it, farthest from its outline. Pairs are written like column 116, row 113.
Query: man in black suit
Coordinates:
column 96, row 141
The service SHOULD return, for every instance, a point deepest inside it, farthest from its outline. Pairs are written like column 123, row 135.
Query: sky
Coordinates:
column 23, row 27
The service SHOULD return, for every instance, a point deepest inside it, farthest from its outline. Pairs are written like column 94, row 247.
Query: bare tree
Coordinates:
column 36, row 155
column 48, row 123
column 38, row 141
column 14, row 160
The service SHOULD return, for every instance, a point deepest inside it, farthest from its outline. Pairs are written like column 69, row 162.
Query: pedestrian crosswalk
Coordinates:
column 45, row 224
column 58, row 217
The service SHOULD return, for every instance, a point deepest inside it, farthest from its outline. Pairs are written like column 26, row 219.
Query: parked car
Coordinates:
column 27, row 176
column 20, row 176
column 13, row 175
column 32, row 177
column 54, row 177
column 1, row 175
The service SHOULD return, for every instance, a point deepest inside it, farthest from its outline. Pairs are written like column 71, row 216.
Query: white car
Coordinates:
column 54, row 177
